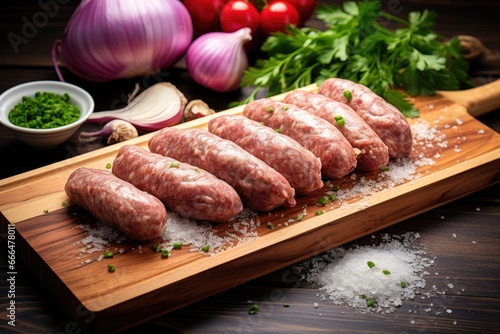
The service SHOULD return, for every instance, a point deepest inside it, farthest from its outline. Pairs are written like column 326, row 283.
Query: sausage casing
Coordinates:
column 315, row 134
column 373, row 153
column 387, row 121
column 298, row 165
column 188, row 190
column 260, row 187
column 115, row 202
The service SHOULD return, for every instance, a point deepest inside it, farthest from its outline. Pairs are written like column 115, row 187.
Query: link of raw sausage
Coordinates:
column 373, row 153
column 387, row 121
column 188, row 190
column 115, row 202
column 260, row 187
column 315, row 134
column 298, row 165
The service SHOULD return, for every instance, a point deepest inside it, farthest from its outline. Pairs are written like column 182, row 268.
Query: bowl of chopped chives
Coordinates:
column 45, row 114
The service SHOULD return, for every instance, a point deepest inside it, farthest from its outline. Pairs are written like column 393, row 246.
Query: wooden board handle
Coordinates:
column 478, row 100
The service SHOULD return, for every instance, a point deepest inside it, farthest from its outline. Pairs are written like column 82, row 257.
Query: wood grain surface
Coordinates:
column 462, row 235
column 51, row 248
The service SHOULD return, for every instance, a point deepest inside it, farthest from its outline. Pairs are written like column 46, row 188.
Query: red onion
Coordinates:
column 113, row 39
column 217, row 60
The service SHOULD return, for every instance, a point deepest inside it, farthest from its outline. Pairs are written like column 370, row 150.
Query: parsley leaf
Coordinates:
column 354, row 45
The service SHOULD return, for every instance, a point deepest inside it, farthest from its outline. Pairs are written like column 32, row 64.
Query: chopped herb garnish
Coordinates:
column 348, row 95
column 165, row 253
column 46, row 211
column 270, row 225
column 385, row 168
column 340, row 120
column 333, row 197
column 278, row 130
column 108, row 254
column 177, row 245
column 64, row 204
column 270, row 109
column 111, row 268
column 323, row 200
column 108, row 165
column 197, row 170
column 370, row 264
column 319, row 213
column 205, row 248
column 285, row 108
column 335, row 188
column 403, row 284
column 286, row 305
column 370, row 302
column 386, row 272
column 155, row 246
column 44, row 111
column 174, row 165
column 300, row 217
column 254, row 309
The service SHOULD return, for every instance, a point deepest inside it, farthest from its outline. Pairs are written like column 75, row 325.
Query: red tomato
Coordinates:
column 277, row 15
column 205, row 14
column 237, row 14
column 304, row 7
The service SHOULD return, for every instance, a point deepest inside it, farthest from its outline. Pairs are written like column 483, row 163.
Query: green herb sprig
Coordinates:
column 355, row 45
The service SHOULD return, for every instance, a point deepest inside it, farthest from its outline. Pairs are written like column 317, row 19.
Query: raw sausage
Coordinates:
column 188, row 190
column 373, row 153
column 299, row 166
column 115, row 202
column 387, row 121
column 260, row 187
column 315, row 134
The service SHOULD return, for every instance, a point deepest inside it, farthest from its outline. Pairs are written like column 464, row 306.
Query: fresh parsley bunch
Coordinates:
column 355, row 45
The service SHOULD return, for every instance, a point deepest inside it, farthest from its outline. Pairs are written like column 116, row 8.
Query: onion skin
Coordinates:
column 217, row 60
column 114, row 39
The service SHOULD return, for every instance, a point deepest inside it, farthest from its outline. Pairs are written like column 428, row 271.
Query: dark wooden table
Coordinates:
column 470, row 261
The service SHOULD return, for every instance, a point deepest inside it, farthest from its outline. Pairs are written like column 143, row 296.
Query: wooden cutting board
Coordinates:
column 144, row 286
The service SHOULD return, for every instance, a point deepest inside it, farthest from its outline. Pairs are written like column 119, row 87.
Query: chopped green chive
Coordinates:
column 108, row 254
column 319, row 213
column 64, row 204
column 278, row 130
column 270, row 225
column 335, row 188
column 403, row 284
column 108, row 165
column 46, row 211
column 177, row 245
column 165, row 253
column 286, row 305
column 269, row 109
column 333, row 197
column 205, row 248
column 340, row 120
column 348, row 95
column 285, row 108
column 254, row 309
column 111, row 268
column 300, row 217
column 370, row 302
column 323, row 200
column 155, row 246
column 174, row 165
column 386, row 272
column 370, row 264
column 385, row 168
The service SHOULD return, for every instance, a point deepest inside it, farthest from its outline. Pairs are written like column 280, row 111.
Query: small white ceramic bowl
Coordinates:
column 45, row 138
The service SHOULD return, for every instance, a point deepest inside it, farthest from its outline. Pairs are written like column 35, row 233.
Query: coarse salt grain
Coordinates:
column 345, row 278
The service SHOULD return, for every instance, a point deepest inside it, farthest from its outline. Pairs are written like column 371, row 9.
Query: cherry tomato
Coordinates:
column 277, row 15
column 304, row 7
column 237, row 14
column 205, row 14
